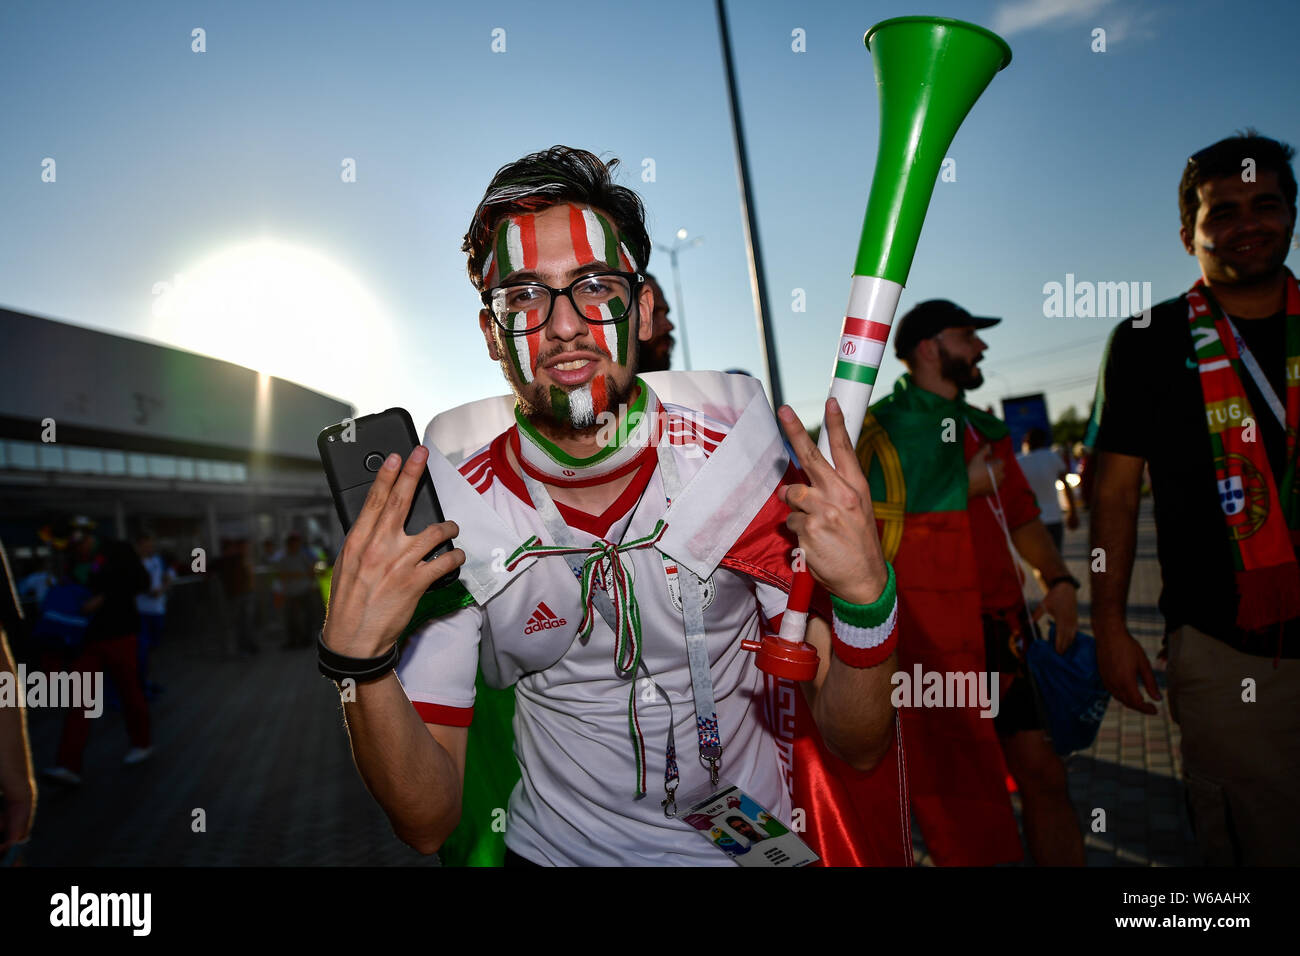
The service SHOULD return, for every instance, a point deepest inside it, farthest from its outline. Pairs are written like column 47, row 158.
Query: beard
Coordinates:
column 961, row 372
column 560, row 411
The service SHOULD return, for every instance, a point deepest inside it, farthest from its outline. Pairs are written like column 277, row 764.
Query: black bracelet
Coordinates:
column 339, row 668
column 1064, row 579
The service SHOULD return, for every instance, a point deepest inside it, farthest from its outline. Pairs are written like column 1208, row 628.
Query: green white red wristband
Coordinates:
column 864, row 635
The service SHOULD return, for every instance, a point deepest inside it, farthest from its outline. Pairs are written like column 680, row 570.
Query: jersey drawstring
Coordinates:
column 603, row 568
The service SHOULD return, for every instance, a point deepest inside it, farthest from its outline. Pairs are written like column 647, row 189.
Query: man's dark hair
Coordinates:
column 556, row 175
column 1225, row 158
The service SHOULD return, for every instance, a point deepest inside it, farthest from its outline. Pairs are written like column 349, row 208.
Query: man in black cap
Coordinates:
column 954, row 504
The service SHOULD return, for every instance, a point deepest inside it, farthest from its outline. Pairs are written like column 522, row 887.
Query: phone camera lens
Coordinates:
column 374, row 461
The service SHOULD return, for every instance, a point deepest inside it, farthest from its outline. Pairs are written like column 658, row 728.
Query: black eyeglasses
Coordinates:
column 599, row 297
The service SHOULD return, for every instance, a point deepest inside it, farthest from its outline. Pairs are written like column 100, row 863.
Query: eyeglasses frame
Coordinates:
column 635, row 279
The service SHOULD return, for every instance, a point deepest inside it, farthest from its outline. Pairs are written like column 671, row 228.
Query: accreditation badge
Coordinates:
column 740, row 827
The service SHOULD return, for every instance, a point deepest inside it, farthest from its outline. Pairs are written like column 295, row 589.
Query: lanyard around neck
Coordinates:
column 1252, row 366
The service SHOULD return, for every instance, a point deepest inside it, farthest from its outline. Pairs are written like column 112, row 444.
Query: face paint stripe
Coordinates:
column 519, row 348
column 534, row 340
column 598, row 332
column 599, row 395
column 608, row 241
column 578, row 234
column 581, row 412
column 621, row 333
column 503, row 267
column 559, row 404
column 514, row 258
column 626, row 257
column 528, row 240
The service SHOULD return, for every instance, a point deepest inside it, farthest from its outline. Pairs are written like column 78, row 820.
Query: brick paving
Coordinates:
column 258, row 744
column 1133, row 770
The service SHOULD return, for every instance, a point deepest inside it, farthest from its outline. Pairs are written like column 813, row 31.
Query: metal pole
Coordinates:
column 756, row 283
column 681, row 312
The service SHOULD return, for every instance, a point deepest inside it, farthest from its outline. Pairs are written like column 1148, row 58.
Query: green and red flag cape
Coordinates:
column 911, row 450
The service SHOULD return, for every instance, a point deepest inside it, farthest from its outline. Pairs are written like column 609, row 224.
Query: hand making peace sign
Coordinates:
column 832, row 515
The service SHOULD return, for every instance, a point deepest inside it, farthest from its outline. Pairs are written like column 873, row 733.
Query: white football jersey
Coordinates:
column 575, row 803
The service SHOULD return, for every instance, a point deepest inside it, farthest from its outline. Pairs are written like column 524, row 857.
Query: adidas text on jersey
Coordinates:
column 543, row 619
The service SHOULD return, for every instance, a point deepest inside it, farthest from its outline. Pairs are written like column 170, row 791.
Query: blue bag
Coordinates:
column 1069, row 685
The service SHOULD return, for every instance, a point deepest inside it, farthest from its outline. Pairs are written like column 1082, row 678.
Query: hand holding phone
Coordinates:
column 382, row 570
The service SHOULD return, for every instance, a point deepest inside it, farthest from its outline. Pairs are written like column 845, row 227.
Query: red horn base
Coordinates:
column 784, row 659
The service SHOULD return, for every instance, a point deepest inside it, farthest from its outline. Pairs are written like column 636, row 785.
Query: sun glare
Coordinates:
column 279, row 309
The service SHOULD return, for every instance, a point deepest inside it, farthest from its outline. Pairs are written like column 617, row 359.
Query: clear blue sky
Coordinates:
column 166, row 158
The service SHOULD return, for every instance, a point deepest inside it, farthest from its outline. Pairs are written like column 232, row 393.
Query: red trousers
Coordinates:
column 117, row 657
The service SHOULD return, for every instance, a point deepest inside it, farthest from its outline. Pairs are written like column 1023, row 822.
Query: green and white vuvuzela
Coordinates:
column 930, row 71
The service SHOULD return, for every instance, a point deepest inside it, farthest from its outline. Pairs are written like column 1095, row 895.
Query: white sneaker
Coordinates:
column 63, row 775
column 137, row 755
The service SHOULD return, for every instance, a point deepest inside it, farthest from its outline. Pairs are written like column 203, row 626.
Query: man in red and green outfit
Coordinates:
column 1205, row 391
column 952, row 502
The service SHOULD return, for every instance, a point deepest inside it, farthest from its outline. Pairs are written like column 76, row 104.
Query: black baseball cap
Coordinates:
column 929, row 319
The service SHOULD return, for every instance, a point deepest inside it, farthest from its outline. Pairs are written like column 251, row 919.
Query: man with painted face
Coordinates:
column 619, row 551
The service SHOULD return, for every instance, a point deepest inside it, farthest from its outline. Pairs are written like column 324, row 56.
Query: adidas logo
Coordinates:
column 543, row 619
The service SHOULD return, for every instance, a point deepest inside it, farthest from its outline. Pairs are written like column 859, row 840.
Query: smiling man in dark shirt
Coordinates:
column 1206, row 392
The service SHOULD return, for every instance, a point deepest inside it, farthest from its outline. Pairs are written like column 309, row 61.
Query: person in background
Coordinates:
column 116, row 578
column 1202, row 390
column 152, row 606
column 267, row 586
column 32, row 588
column 241, row 599
column 301, row 596
column 657, row 354
column 1043, row 468
column 944, row 474
column 17, row 782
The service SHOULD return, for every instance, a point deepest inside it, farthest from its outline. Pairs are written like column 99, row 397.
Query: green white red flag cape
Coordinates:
column 956, row 774
column 727, row 516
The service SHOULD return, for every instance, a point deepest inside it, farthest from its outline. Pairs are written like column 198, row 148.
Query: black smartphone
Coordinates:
column 354, row 450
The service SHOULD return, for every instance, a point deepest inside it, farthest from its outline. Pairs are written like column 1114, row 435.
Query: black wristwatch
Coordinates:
column 1064, row 579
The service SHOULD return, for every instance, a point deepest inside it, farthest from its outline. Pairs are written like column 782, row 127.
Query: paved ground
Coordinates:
column 1134, row 769
column 258, row 745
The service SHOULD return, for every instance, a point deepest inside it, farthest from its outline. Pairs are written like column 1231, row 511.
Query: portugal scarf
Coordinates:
column 1262, row 526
